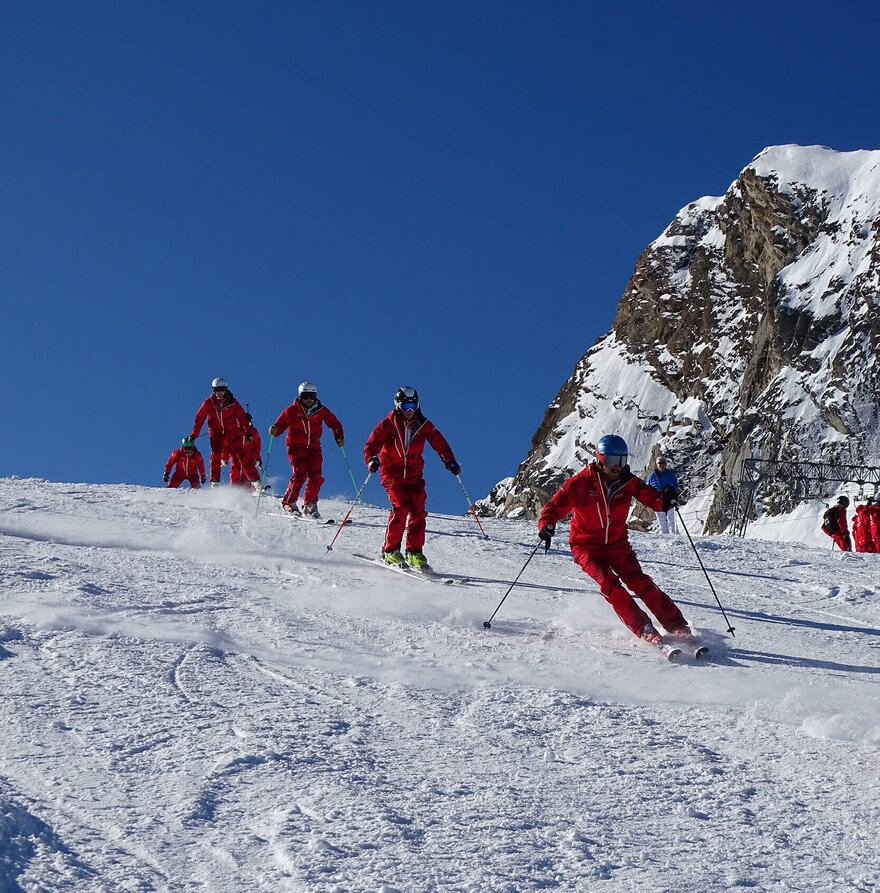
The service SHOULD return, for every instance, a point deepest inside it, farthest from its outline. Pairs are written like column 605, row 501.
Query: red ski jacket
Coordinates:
column 399, row 445
column 861, row 530
column 304, row 427
column 248, row 450
column 599, row 511
column 871, row 521
column 225, row 416
column 188, row 462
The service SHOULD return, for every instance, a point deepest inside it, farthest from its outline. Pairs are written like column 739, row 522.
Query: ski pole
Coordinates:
column 705, row 574
column 356, row 500
column 487, row 624
column 263, row 471
column 471, row 507
column 350, row 472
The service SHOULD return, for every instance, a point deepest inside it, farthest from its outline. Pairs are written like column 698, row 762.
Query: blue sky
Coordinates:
column 364, row 195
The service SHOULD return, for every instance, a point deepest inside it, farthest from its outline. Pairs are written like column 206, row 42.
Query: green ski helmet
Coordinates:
column 188, row 442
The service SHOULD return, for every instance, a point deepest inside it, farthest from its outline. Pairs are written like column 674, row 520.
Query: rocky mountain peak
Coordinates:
column 750, row 328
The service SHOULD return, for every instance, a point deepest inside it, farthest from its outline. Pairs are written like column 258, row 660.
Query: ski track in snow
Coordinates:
column 200, row 698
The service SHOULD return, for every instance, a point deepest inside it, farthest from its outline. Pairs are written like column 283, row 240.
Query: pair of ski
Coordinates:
column 678, row 648
column 313, row 520
column 423, row 575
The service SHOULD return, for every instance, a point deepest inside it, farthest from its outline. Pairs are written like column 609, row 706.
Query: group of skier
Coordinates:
column 598, row 498
column 394, row 449
column 865, row 526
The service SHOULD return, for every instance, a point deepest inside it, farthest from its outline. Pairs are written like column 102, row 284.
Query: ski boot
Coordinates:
column 416, row 560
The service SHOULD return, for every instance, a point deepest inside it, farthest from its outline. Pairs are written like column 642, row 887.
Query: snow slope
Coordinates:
column 199, row 698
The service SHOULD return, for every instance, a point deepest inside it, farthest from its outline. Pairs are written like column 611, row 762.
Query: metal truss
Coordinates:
column 804, row 480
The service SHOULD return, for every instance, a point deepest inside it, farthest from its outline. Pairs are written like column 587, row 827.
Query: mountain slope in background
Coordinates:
column 199, row 698
column 749, row 329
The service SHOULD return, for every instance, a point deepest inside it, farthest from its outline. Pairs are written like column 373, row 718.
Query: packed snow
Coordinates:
column 198, row 696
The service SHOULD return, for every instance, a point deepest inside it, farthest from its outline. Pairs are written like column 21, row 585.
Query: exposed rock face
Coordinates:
column 750, row 328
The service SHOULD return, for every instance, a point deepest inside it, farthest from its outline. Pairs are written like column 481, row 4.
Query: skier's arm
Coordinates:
column 280, row 426
column 558, row 507
column 335, row 426
column 647, row 495
column 201, row 415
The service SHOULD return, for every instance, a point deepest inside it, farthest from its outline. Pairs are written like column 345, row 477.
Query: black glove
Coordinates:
column 166, row 477
column 670, row 497
column 373, row 464
column 453, row 466
column 203, row 479
column 546, row 534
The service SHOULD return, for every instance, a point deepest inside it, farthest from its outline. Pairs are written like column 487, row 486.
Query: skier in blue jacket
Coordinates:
column 659, row 479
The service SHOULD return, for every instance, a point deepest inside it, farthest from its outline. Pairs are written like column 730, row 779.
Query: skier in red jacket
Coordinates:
column 190, row 466
column 395, row 450
column 872, row 525
column 248, row 459
column 834, row 524
column 861, row 530
column 599, row 498
column 227, row 422
column 303, row 421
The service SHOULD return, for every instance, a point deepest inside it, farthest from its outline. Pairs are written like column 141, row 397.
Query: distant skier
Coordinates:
column 303, row 421
column 660, row 478
column 861, row 531
column 227, row 423
column 190, row 466
column 599, row 498
column 248, row 461
column 394, row 449
column 834, row 524
column 872, row 525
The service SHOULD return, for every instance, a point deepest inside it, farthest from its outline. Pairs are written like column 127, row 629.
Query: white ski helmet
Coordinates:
column 307, row 389
column 406, row 394
column 219, row 383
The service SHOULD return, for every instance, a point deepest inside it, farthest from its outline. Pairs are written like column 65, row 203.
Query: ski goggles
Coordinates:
column 409, row 407
column 612, row 461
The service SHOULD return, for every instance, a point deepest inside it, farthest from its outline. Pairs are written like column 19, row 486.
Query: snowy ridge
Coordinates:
column 196, row 697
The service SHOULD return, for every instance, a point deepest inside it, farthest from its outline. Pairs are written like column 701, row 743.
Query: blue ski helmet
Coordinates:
column 611, row 450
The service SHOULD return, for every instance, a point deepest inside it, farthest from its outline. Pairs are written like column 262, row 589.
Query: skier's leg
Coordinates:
column 598, row 567
column 625, row 562
column 217, row 443
column 397, row 516
column 415, row 533
column 314, row 462
column 298, row 478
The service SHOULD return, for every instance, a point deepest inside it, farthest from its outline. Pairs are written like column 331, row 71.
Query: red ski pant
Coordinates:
column 616, row 566
column 229, row 446
column 843, row 541
column 306, row 463
column 242, row 472
column 408, row 499
column 180, row 476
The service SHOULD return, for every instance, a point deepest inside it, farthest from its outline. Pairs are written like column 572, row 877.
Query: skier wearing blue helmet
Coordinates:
column 599, row 499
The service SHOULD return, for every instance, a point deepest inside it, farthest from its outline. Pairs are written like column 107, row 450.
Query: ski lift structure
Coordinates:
column 806, row 481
